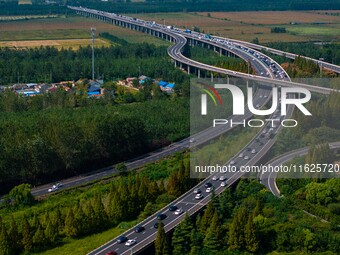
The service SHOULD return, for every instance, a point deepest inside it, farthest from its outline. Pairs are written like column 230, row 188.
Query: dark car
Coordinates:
column 111, row 253
column 207, row 185
column 172, row 208
column 156, row 224
column 139, row 229
column 121, row 239
column 161, row 216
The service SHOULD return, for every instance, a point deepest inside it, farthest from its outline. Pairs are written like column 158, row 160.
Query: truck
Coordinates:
column 169, row 27
column 207, row 36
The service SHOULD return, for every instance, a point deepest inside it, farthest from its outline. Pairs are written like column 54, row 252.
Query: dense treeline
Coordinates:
column 329, row 52
column 36, row 146
column 205, row 5
column 302, row 68
column 39, row 7
column 278, row 30
column 99, row 208
column 323, row 126
column 210, row 57
column 65, row 133
column 12, row 8
column 47, row 64
column 249, row 220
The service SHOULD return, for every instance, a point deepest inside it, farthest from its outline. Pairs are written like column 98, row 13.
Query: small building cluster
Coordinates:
column 94, row 88
column 136, row 83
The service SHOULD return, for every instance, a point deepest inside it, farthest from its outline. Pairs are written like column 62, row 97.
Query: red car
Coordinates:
column 111, row 253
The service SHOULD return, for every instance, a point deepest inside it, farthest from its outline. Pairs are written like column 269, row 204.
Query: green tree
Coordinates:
column 236, row 233
column 13, row 234
column 39, row 239
column 211, row 241
column 121, row 168
column 26, row 235
column 6, row 247
column 71, row 228
column 252, row 242
column 21, row 195
column 50, row 233
column 181, row 237
column 100, row 215
column 161, row 242
column 206, row 218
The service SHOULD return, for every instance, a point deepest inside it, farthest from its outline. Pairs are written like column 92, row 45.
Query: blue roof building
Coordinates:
column 170, row 86
column 162, row 83
column 93, row 93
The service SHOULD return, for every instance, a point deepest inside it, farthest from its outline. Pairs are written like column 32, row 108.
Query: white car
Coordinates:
column 214, row 178
column 246, row 157
column 222, row 178
column 197, row 191
column 253, row 151
column 241, row 155
column 208, row 190
column 54, row 188
column 199, row 196
column 58, row 185
column 130, row 242
column 223, row 184
column 232, row 162
column 179, row 211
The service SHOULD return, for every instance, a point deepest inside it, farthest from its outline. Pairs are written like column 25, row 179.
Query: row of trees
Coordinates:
column 127, row 198
column 203, row 5
column 9, row 7
column 322, row 126
column 329, row 52
column 259, row 223
column 47, row 64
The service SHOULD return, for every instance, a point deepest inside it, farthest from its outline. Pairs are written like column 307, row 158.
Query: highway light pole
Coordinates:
column 93, row 30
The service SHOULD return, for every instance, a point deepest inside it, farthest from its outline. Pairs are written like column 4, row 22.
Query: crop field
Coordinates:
column 74, row 31
column 275, row 18
column 11, row 18
column 306, row 26
column 65, row 43
column 61, row 28
column 25, row 2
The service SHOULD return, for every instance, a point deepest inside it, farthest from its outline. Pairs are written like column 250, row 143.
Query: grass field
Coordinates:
column 308, row 30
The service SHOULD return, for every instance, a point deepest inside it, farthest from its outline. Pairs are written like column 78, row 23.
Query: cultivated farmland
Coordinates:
column 250, row 25
column 71, row 28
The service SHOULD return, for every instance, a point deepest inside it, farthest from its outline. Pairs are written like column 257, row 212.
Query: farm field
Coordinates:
column 25, row 2
column 275, row 17
column 11, row 18
column 61, row 28
column 74, row 31
column 250, row 25
column 65, row 43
